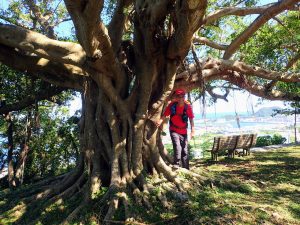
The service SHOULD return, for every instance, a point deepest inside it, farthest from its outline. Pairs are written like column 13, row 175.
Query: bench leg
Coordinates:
column 231, row 154
column 214, row 156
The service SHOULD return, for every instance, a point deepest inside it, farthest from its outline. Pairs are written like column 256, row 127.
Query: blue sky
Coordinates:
column 239, row 100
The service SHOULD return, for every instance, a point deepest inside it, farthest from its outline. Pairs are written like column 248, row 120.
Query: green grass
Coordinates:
column 268, row 188
column 263, row 188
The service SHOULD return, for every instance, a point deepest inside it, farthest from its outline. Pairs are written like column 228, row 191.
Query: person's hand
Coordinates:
column 158, row 123
column 192, row 134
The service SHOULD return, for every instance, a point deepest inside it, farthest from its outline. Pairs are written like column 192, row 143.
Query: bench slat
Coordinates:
column 254, row 140
column 216, row 144
column 228, row 143
column 244, row 141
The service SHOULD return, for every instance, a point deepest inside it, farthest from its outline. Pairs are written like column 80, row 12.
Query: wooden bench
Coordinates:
column 246, row 142
column 231, row 143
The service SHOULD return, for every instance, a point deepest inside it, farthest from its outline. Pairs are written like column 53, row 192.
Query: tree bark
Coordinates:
column 11, row 175
column 19, row 174
column 295, row 125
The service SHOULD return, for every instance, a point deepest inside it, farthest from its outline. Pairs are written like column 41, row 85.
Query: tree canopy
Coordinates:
column 127, row 58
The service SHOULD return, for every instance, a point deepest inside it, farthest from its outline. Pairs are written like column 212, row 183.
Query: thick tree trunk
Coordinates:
column 11, row 177
column 295, row 124
column 19, row 175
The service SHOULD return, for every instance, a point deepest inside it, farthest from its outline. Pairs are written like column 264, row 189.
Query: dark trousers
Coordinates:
column 180, row 147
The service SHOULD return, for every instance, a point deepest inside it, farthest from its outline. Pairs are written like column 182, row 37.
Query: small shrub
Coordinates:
column 263, row 141
column 277, row 139
column 267, row 140
column 207, row 145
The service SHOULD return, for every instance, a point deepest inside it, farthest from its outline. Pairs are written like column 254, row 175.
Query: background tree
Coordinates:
column 130, row 57
column 291, row 111
column 28, row 129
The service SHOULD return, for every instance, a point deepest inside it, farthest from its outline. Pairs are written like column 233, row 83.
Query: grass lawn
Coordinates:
column 268, row 189
column 263, row 188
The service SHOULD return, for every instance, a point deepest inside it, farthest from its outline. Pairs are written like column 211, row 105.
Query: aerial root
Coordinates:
column 106, row 195
column 32, row 199
column 162, row 197
column 179, row 194
column 192, row 174
column 134, row 188
column 47, row 194
column 86, row 201
column 31, row 195
column 197, row 178
column 80, row 191
column 126, row 207
column 145, row 198
column 35, row 191
column 171, row 176
column 60, row 197
column 222, row 183
column 113, row 206
column 34, row 194
column 16, row 208
column 147, row 202
column 50, row 182
column 70, row 191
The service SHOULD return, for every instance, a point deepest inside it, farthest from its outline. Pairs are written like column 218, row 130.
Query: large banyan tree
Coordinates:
column 127, row 59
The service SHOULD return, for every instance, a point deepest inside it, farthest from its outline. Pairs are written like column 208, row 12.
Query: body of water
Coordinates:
column 219, row 115
column 233, row 124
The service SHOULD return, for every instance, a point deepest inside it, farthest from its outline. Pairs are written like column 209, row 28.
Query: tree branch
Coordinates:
column 257, row 23
column 65, row 73
column 14, row 22
column 75, row 83
column 214, row 95
column 217, row 66
column 292, row 62
column 233, row 72
column 41, row 19
column 209, row 43
column 255, row 88
column 119, row 24
column 93, row 36
column 219, row 13
column 157, row 11
column 31, row 100
column 291, row 46
column 61, row 21
column 92, row 33
column 33, row 42
column 189, row 18
column 284, row 26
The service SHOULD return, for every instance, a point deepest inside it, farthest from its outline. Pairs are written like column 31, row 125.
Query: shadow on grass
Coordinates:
column 272, row 177
column 14, row 210
column 268, row 179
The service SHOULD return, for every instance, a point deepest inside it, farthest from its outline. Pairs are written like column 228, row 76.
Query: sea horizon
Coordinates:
column 219, row 115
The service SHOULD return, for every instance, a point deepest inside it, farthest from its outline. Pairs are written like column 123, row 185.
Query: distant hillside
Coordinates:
column 265, row 112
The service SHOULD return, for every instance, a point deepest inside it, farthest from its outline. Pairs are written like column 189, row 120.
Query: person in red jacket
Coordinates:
column 179, row 110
